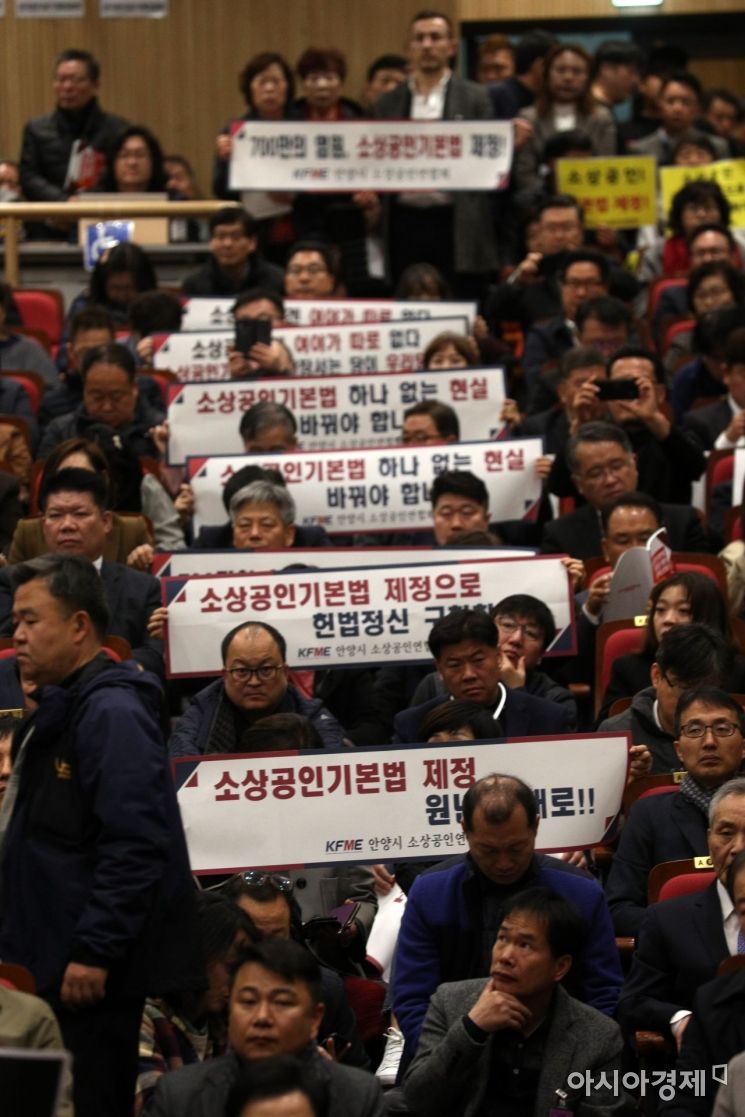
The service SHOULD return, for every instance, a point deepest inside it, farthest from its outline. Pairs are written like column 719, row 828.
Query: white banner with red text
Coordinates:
column 217, row 314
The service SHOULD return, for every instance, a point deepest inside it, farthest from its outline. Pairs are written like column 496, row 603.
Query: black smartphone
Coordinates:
column 623, row 388
column 249, row 331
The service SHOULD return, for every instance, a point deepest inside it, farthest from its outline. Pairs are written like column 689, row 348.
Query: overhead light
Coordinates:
column 636, row 3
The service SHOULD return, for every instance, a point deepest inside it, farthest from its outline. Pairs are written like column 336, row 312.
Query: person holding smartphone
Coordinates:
column 254, row 353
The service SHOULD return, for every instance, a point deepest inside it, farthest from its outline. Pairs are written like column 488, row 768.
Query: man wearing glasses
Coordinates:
column 255, row 684
column 673, row 826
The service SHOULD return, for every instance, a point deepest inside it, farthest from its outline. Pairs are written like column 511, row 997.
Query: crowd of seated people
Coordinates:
column 624, row 352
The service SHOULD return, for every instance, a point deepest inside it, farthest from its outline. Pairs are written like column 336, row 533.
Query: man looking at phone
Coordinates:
column 233, row 264
column 255, row 353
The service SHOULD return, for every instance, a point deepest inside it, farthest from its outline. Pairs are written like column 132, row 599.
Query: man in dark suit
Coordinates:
column 477, row 1037
column 682, row 941
column 465, row 646
column 670, row 827
column 602, row 466
column 721, row 425
column 275, row 1009
column 454, row 232
column 76, row 522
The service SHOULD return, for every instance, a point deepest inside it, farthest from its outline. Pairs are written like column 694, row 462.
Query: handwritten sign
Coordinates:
column 370, row 155
column 289, row 809
column 332, row 412
column 316, row 351
column 728, row 173
column 217, row 314
column 349, row 617
column 619, row 192
column 378, row 490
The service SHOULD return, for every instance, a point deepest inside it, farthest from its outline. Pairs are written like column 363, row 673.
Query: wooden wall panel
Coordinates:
column 179, row 75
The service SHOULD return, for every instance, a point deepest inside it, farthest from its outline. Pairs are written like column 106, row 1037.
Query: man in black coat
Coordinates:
column 97, row 899
column 602, row 466
column 234, row 264
column 682, row 941
column 76, row 522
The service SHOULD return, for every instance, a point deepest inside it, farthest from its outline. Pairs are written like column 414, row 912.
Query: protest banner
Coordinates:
column 728, row 173
column 620, row 192
column 217, row 314
column 332, row 412
column 316, row 350
column 370, row 155
column 343, row 618
column 290, row 809
column 378, row 490
column 206, row 564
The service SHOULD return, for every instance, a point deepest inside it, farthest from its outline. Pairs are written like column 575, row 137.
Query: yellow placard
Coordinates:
column 620, row 192
column 729, row 173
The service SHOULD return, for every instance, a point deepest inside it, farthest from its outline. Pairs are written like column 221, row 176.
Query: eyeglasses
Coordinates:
column 245, row 674
column 253, row 878
column 510, row 627
column 696, row 729
column 311, row 269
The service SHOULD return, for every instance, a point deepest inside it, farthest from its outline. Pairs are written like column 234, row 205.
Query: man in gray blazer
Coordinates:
column 520, row 1036
column 275, row 1009
column 455, row 232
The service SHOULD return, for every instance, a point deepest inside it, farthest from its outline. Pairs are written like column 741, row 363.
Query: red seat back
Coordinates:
column 686, row 883
column 41, row 310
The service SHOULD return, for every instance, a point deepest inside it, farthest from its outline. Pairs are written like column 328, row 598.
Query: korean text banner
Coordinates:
column 199, row 563
column 370, row 155
column 728, row 173
column 620, row 192
column 217, row 314
column 332, row 412
column 316, row 350
column 288, row 810
column 344, row 618
column 378, row 490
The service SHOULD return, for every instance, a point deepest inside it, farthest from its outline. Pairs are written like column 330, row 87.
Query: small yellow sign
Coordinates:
column 729, row 173
column 620, row 192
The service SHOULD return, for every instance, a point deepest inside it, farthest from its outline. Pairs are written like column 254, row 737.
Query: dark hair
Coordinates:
column 706, row 602
column 76, row 481
column 726, row 95
column 62, row 450
column 586, row 256
column 530, row 47
column 461, row 624
column 693, row 138
column 274, row 1077
column 219, row 921
column 92, row 318
column 8, row 724
column 712, row 330
column 597, row 431
column 560, row 144
column 464, row 345
column 156, row 312
column 455, row 715
column 498, row 795
column 630, row 500
column 566, row 930
column 533, row 609
column 694, row 654
column 73, row 55
column 732, row 276
column 712, row 227
column 70, row 579
column 254, row 294
column 585, row 104
column 422, row 279
column 618, row 52
column 111, row 354
column 329, row 253
column 265, row 414
column 246, row 476
column 558, row 201
column 442, row 415
column 317, row 59
column 281, row 731
column 157, row 180
column 125, row 257
column 701, row 190
column 583, row 356
column 276, row 636
column 430, row 13
column 123, row 468
column 605, row 309
column 683, row 77
column 710, row 697
column 386, row 62
column 459, row 483
column 640, row 352
column 233, row 215
column 288, row 959
column 256, row 66
column 734, row 351
column 473, row 539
